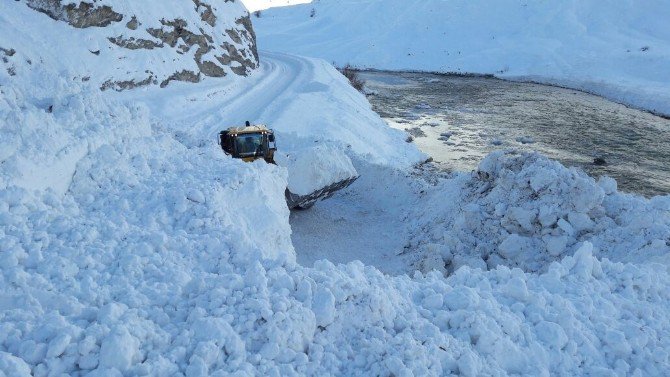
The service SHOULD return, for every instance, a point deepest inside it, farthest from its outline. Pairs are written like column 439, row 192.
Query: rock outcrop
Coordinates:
column 145, row 43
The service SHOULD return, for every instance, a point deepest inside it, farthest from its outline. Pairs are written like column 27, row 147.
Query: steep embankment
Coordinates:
column 617, row 49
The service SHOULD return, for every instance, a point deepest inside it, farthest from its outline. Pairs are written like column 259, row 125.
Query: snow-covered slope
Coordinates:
column 620, row 49
column 125, row 44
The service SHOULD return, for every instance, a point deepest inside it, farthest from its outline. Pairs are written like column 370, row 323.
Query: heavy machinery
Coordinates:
column 254, row 142
column 249, row 143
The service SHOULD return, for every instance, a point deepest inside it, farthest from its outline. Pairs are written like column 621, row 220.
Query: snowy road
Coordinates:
column 290, row 94
column 214, row 104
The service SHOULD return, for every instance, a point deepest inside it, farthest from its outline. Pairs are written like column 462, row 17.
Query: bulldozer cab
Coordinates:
column 249, row 143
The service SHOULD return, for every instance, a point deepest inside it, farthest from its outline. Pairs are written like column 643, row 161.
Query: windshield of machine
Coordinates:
column 249, row 144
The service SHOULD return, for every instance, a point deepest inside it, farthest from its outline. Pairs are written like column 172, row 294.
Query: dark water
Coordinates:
column 458, row 120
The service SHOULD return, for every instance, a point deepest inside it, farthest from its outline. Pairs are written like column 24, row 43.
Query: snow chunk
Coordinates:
column 119, row 350
column 12, row 366
column 57, row 345
column 323, row 306
column 311, row 169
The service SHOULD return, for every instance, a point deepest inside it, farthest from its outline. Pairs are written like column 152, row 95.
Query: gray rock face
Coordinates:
column 82, row 15
column 209, row 41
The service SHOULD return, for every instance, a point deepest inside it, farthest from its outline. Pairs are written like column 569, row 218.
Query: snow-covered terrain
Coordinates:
column 120, row 45
column 131, row 245
column 619, row 49
column 256, row 5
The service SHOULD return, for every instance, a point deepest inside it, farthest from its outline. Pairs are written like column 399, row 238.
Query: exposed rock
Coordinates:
column 128, row 84
column 133, row 24
column 184, row 75
column 80, row 16
column 135, row 43
column 232, row 33
column 192, row 35
column 415, row 132
column 206, row 13
column 599, row 161
column 250, row 35
column 246, row 62
column 6, row 54
column 8, row 51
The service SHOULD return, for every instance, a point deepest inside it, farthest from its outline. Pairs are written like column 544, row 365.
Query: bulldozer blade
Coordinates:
column 306, row 201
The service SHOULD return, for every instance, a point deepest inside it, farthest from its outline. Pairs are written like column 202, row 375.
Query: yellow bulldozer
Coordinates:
column 249, row 143
column 254, row 142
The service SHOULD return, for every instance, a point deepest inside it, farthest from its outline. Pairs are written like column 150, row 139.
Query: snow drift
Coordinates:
column 617, row 49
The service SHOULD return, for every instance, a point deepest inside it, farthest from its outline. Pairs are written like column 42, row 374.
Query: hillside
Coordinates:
column 617, row 49
column 121, row 45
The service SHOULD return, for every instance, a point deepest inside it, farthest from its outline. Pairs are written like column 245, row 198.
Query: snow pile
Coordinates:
column 121, row 45
column 617, row 49
column 106, row 275
column 314, row 168
column 49, row 128
column 131, row 245
column 524, row 210
column 583, row 316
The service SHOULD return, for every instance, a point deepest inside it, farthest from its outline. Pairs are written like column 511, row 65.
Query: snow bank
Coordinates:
column 524, row 210
column 617, row 49
column 48, row 128
column 311, row 169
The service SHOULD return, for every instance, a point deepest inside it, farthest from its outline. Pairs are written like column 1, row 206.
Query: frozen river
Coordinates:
column 458, row 120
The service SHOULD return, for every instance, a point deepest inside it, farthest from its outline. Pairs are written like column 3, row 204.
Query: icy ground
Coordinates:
column 130, row 245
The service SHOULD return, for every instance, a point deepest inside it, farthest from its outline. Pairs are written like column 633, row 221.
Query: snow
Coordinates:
column 153, row 253
column 90, row 55
column 311, row 169
column 619, row 50
column 254, row 5
column 524, row 210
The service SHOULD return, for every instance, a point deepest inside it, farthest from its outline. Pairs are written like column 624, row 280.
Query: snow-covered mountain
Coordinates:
column 125, row 44
column 620, row 49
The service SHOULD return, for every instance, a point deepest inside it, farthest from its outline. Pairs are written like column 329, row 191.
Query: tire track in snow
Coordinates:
column 282, row 75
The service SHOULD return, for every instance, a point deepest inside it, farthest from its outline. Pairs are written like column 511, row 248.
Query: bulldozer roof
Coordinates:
column 249, row 130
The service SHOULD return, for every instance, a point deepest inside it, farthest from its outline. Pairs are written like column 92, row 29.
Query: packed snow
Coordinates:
column 617, row 49
column 131, row 245
column 313, row 168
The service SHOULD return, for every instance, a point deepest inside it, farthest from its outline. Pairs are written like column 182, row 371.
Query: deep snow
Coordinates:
column 131, row 245
column 619, row 49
